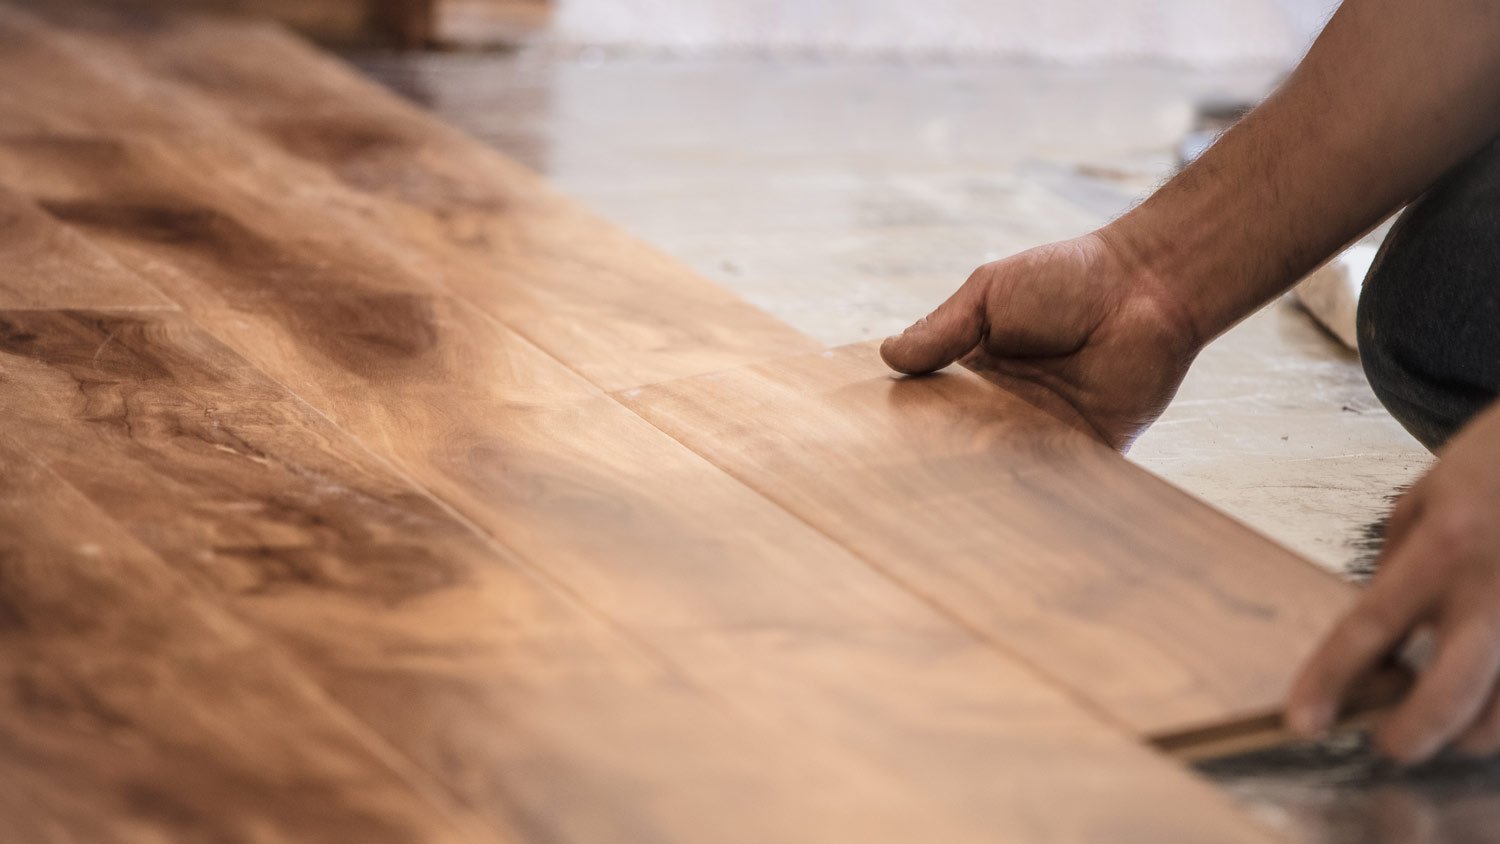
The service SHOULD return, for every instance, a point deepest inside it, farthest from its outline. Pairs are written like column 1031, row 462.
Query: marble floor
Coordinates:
column 849, row 198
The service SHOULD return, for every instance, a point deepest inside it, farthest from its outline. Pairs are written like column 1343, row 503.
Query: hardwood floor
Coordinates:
column 606, row 305
column 353, row 395
column 514, row 699
column 131, row 709
column 1159, row 610
column 49, row 265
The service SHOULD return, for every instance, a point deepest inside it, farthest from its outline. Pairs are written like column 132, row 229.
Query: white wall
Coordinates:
column 1199, row 32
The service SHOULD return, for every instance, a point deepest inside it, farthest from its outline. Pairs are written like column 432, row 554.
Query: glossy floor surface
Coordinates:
column 349, row 464
column 849, row 198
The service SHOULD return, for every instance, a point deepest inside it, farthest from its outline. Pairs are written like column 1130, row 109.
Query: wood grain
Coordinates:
column 544, row 722
column 944, row 737
column 1160, row 610
column 608, row 306
column 49, row 265
column 133, row 710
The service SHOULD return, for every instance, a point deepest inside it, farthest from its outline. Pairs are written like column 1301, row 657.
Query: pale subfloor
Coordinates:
column 850, row 198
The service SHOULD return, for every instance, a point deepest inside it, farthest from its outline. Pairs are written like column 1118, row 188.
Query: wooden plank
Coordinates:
column 132, row 710
column 748, row 601
column 1368, row 701
column 1157, row 608
column 545, row 723
column 49, row 265
column 408, row 24
column 332, row 21
column 608, row 306
column 490, row 23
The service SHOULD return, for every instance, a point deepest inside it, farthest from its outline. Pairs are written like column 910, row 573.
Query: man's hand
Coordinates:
column 1439, row 571
column 1070, row 322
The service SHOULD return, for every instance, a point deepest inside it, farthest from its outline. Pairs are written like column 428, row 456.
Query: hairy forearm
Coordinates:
column 1392, row 94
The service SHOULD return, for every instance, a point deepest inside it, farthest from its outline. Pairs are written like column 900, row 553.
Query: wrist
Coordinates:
column 1155, row 284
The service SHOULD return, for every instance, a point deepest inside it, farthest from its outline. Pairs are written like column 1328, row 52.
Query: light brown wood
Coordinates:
column 488, row 23
column 608, row 306
column 544, row 722
column 1163, row 612
column 50, row 265
column 131, row 709
column 1370, row 699
column 930, row 732
column 332, row 21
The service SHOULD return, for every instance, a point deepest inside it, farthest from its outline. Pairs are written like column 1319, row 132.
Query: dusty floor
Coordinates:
column 850, row 198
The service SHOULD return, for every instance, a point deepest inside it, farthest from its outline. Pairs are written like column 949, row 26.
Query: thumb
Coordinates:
column 941, row 337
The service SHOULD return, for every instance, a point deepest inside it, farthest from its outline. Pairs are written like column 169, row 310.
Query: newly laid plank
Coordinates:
column 1157, row 608
column 747, row 601
column 131, row 710
column 542, row 721
column 610, row 307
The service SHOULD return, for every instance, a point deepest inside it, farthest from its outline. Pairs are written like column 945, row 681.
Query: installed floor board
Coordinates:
column 748, row 601
column 50, row 265
column 541, row 720
column 1150, row 604
column 132, row 710
column 610, row 307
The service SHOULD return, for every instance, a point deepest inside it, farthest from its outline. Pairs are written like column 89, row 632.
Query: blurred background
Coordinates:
column 1196, row 33
column 1228, row 31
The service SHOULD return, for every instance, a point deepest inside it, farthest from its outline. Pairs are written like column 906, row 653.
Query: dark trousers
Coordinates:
column 1429, row 316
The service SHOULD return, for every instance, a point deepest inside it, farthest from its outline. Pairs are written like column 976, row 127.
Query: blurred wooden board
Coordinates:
column 406, row 23
column 132, row 709
column 489, row 23
column 1163, row 612
column 608, row 306
column 547, row 726
column 748, row 679
column 52, row 266
column 536, row 716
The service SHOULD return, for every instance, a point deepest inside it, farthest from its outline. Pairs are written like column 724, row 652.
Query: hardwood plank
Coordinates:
column 1157, row 608
column 132, row 710
column 50, row 266
column 541, row 720
column 607, row 305
column 408, row 24
column 748, row 601
column 331, row 21
column 1369, row 699
column 490, row 23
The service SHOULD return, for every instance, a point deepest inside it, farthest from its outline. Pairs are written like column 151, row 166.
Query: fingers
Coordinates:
column 942, row 337
column 1450, row 695
column 1392, row 607
column 1482, row 738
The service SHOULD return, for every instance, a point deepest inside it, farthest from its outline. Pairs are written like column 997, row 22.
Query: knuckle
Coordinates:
column 981, row 275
